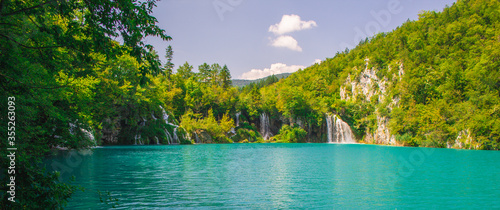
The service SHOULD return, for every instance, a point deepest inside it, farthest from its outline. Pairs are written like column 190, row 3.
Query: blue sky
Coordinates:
column 256, row 38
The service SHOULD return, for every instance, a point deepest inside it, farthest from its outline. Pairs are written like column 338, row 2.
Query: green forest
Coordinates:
column 434, row 82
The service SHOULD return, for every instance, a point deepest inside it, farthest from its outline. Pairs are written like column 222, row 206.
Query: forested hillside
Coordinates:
column 243, row 82
column 432, row 82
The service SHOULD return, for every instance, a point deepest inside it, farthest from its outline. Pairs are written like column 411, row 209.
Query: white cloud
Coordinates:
column 317, row 61
column 291, row 23
column 276, row 68
column 288, row 42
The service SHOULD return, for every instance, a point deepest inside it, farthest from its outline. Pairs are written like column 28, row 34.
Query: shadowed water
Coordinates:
column 285, row 176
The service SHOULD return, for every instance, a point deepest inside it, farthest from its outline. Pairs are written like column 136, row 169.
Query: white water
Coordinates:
column 137, row 137
column 142, row 124
column 238, row 119
column 197, row 138
column 265, row 129
column 170, row 139
column 339, row 131
column 176, row 139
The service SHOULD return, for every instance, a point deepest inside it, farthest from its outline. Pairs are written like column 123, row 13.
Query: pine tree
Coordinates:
column 216, row 69
column 225, row 76
column 169, row 66
column 185, row 71
column 205, row 72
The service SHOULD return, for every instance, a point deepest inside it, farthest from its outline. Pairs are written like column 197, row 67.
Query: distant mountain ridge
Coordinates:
column 244, row 82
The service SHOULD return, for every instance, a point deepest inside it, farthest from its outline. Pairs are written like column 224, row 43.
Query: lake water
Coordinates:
column 269, row 176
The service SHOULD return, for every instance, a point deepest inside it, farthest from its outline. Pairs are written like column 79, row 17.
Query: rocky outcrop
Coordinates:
column 365, row 87
column 382, row 135
column 464, row 140
column 204, row 137
column 111, row 130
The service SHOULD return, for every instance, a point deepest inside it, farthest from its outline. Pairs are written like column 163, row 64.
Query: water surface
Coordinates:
column 284, row 176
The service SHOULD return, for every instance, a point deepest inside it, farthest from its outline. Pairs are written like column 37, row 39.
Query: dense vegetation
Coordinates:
column 438, row 78
column 56, row 59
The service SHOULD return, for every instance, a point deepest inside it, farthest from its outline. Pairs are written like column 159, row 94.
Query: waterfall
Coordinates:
column 142, row 124
column 165, row 115
column 238, row 119
column 197, row 138
column 138, row 137
column 339, row 131
column 265, row 129
column 170, row 139
column 176, row 139
column 232, row 132
column 157, row 140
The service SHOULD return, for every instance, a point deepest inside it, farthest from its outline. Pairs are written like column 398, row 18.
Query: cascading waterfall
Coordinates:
column 238, row 119
column 339, row 131
column 197, row 138
column 137, row 136
column 265, row 129
column 176, row 139
column 170, row 139
column 232, row 132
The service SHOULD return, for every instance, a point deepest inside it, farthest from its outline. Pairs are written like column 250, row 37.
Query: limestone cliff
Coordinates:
column 369, row 87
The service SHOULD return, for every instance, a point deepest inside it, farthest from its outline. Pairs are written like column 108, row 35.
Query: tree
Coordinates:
column 53, row 49
column 169, row 66
column 225, row 76
column 214, row 74
column 185, row 71
column 205, row 73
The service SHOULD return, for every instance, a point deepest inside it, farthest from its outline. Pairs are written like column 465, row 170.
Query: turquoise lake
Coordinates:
column 283, row 176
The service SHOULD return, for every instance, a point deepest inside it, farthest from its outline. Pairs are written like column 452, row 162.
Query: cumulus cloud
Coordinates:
column 317, row 61
column 276, row 68
column 291, row 23
column 287, row 42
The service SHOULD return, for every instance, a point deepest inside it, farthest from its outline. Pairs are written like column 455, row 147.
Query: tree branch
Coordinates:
column 31, row 86
column 26, row 9
column 25, row 46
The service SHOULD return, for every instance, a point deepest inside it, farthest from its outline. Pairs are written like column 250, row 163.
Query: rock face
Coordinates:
column 367, row 86
column 111, row 131
column 464, row 141
column 382, row 135
column 203, row 137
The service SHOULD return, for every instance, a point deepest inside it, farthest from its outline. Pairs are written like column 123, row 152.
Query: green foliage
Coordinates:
column 67, row 73
column 169, row 66
column 192, row 122
column 50, row 61
column 225, row 77
column 244, row 135
column 449, row 80
column 185, row 71
column 289, row 134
